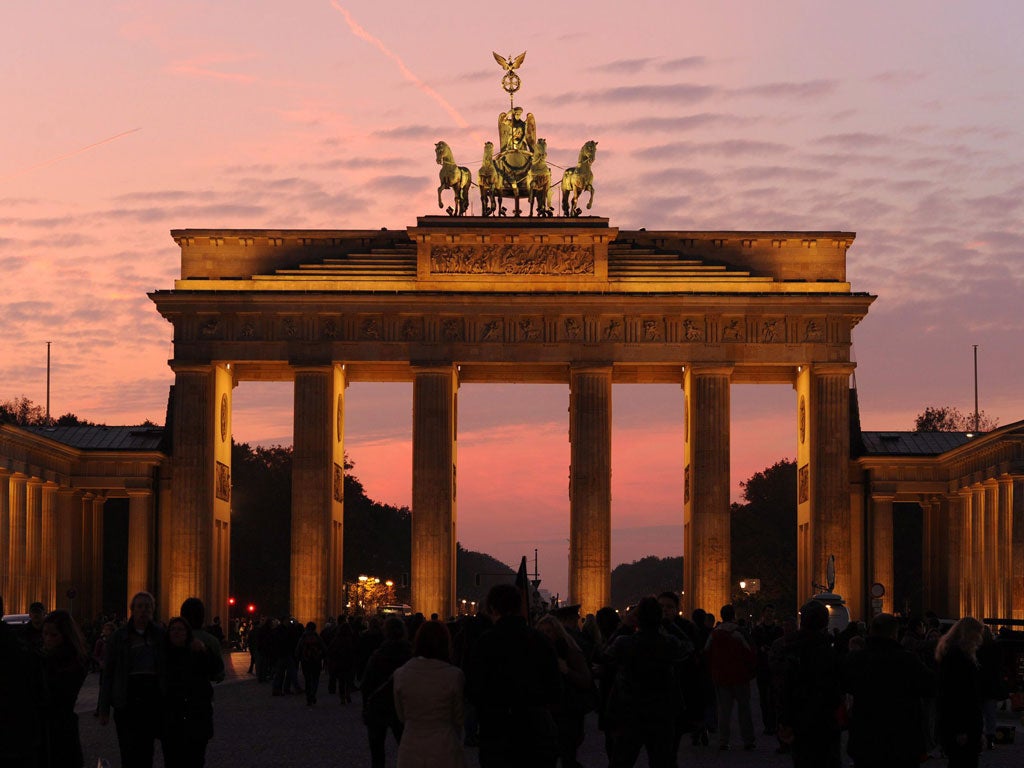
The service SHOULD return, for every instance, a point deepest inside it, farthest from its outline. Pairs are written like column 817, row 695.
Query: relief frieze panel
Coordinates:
column 492, row 329
column 530, row 329
column 513, row 328
column 512, row 259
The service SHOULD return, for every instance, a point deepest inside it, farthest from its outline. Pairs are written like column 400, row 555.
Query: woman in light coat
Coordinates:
column 428, row 700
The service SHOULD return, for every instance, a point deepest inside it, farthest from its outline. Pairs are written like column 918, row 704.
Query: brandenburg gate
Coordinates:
column 457, row 299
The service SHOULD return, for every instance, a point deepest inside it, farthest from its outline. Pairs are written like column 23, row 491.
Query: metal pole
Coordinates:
column 976, row 419
column 48, row 382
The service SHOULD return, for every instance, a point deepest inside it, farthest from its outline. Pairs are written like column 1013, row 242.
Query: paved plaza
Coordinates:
column 253, row 730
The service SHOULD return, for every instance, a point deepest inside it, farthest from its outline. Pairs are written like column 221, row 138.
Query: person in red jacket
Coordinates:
column 732, row 662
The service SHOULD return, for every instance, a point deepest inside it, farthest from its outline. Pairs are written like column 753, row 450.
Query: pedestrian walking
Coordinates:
column 428, row 701
column 959, row 701
column 732, row 662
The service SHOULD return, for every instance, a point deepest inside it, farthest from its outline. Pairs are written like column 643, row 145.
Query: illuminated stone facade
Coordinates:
column 54, row 484
column 571, row 301
column 971, row 493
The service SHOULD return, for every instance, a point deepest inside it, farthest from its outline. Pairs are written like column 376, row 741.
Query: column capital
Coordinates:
column 832, row 369
column 882, row 496
column 138, row 492
column 709, row 369
column 179, row 367
column 597, row 367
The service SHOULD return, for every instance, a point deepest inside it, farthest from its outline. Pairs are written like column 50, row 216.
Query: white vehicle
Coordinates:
column 16, row 618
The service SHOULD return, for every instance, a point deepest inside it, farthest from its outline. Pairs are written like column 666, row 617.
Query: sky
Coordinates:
column 898, row 121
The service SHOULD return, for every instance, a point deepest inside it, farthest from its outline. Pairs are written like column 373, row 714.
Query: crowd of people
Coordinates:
column 519, row 691
column 155, row 682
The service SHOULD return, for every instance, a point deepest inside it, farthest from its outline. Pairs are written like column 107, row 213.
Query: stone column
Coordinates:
column 993, row 550
column 201, row 484
column 954, row 569
column 33, row 540
column 967, row 585
column 590, row 486
column 87, row 567
column 1017, row 547
column 317, row 492
column 935, row 559
column 69, row 549
column 882, row 570
column 979, row 589
column 433, row 489
column 1004, row 542
column 17, row 575
column 828, row 477
column 96, row 556
column 140, row 543
column 706, row 523
column 48, row 547
column 5, row 535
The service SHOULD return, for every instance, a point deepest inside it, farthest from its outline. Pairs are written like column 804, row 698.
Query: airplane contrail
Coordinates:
column 358, row 31
column 78, row 151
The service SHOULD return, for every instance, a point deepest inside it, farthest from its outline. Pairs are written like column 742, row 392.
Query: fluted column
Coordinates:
column 69, row 548
column 34, row 540
column 954, row 566
column 433, row 489
column 1017, row 506
column 1010, row 556
column 140, row 542
column 96, row 557
column 881, row 546
column 85, row 562
column 968, row 588
column 979, row 589
column 5, row 535
column 590, row 486
column 17, row 574
column 829, row 470
column 706, row 522
column 317, row 492
column 48, row 547
column 934, row 558
column 993, row 566
column 201, row 485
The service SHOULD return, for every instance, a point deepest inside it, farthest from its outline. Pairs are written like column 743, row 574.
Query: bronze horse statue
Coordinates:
column 489, row 182
column 578, row 179
column 539, row 181
column 454, row 177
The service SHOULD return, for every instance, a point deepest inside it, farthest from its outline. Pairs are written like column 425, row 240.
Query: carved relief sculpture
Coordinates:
column 803, row 484
column 223, row 482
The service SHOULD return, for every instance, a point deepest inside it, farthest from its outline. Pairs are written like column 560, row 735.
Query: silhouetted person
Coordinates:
column 764, row 633
column 310, row 652
column 578, row 692
column 392, row 654
column 428, row 700
column 811, row 692
column 888, row 684
column 959, row 700
column 193, row 612
column 512, row 678
column 187, row 696
column 20, row 684
column 645, row 700
column 732, row 663
column 64, row 660
column 131, row 683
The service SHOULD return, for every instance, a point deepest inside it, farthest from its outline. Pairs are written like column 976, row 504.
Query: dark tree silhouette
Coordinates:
column 948, row 418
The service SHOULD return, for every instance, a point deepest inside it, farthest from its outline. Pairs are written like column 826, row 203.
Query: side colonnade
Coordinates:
column 51, row 526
